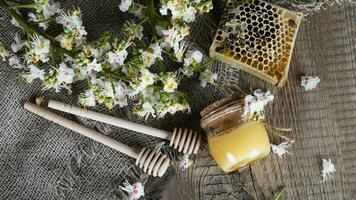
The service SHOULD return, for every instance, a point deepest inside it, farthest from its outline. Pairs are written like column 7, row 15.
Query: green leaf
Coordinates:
column 279, row 193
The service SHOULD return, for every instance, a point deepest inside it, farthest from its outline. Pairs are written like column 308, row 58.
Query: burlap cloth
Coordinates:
column 41, row 160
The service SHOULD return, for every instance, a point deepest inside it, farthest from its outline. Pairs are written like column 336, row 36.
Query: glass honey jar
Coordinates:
column 233, row 142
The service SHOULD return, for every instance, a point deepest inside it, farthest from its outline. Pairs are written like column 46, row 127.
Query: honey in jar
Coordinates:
column 233, row 142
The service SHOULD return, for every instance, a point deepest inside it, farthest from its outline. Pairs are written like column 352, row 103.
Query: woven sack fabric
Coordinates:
column 42, row 160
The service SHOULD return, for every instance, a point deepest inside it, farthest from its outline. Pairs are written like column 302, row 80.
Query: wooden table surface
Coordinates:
column 323, row 122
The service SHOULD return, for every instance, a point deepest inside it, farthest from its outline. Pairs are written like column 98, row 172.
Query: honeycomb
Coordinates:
column 257, row 37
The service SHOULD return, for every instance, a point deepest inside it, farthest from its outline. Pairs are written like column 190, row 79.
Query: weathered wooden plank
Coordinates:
column 325, row 47
column 324, row 121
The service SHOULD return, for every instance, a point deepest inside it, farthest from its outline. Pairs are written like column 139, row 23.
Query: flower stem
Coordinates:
column 155, row 18
column 33, row 30
column 279, row 193
column 44, row 20
column 114, row 75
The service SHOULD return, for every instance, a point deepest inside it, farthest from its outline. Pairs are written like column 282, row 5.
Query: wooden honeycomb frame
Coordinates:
column 257, row 37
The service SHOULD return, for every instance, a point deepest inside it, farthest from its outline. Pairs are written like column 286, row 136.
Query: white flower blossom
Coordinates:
column 134, row 191
column 147, row 58
column 33, row 18
column 14, row 22
column 80, row 72
column 95, row 52
column 51, row 8
column 71, row 22
column 207, row 77
column 134, row 30
column 180, row 10
column 65, row 41
column 66, row 20
column 281, row 149
column 134, row 89
column 170, row 84
column 120, row 93
column 171, row 37
column 15, row 62
column 254, row 104
column 41, row 45
column 185, row 162
column 192, row 56
column 125, row 5
column 163, row 10
column 87, row 99
column 18, row 44
column 4, row 53
column 151, row 95
column 328, row 169
column 189, row 14
column 172, row 109
column 117, row 57
column 309, row 82
column 147, row 78
column 146, row 110
column 36, row 73
column 65, row 74
column 179, row 51
column 136, row 10
column 94, row 66
column 157, row 50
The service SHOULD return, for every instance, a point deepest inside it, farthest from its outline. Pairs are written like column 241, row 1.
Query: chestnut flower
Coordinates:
column 94, row 66
column 148, row 58
column 117, row 57
column 72, row 22
column 111, row 78
column 15, row 62
column 157, row 50
column 34, row 73
column 309, row 82
column 18, row 44
column 193, row 57
column 41, row 45
column 185, row 162
column 44, row 11
column 328, row 169
column 145, row 110
column 134, row 191
column 66, row 41
column 65, row 74
column 87, row 98
column 147, row 78
column 281, row 148
column 254, row 104
column 4, row 53
column 170, row 82
column 206, row 77
column 125, row 5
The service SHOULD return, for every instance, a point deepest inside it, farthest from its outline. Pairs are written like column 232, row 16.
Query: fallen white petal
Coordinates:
column 328, row 169
column 309, row 82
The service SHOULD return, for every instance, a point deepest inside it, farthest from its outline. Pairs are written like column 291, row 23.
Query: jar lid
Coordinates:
column 223, row 114
column 218, row 104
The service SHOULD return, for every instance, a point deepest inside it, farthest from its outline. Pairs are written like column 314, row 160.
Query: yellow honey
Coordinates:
column 238, row 147
column 234, row 143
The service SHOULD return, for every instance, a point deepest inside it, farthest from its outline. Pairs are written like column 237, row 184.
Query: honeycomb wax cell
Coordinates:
column 257, row 37
column 233, row 142
column 233, row 149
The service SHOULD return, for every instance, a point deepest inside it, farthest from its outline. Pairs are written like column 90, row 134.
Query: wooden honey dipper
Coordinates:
column 184, row 140
column 151, row 162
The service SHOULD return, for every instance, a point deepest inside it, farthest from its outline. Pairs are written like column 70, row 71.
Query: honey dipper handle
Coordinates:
column 81, row 129
column 110, row 120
